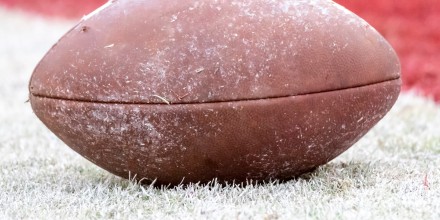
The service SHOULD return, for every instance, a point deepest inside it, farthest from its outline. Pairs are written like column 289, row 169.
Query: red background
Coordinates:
column 411, row 26
column 61, row 8
column 413, row 29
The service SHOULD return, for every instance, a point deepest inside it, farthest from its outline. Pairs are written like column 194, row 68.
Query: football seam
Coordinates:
column 166, row 102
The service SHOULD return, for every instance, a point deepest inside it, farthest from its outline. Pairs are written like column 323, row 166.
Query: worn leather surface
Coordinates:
column 191, row 51
column 187, row 91
column 258, row 139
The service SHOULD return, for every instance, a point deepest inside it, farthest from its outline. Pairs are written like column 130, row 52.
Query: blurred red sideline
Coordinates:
column 73, row 9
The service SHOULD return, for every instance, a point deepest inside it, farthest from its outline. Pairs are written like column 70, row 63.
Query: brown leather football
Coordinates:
column 190, row 90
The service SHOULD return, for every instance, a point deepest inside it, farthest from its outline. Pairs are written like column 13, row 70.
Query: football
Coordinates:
column 185, row 91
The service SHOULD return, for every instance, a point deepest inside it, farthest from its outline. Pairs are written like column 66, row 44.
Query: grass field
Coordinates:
column 392, row 173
